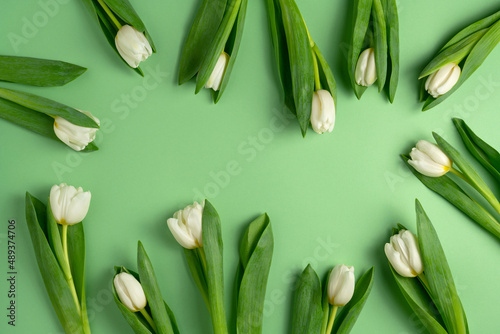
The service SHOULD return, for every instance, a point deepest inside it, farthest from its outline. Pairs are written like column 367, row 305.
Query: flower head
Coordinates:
column 76, row 137
column 218, row 73
column 341, row 285
column 441, row 81
column 130, row 291
column 404, row 254
column 366, row 71
column 429, row 160
column 69, row 205
column 322, row 112
column 132, row 45
column 186, row 226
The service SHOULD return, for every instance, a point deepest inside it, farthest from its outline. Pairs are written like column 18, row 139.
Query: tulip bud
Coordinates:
column 132, row 45
column 322, row 112
column 341, row 285
column 404, row 255
column 366, row 71
column 69, row 205
column 130, row 291
column 218, row 73
column 441, row 81
column 76, row 137
column 429, row 160
column 186, row 226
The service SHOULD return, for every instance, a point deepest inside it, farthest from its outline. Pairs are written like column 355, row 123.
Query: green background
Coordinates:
column 331, row 198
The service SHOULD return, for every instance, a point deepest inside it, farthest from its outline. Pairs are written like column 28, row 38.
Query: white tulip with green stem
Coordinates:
column 430, row 163
column 423, row 276
column 123, row 29
column 59, row 243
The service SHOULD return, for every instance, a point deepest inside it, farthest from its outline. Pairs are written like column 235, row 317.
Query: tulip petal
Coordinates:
column 434, row 152
column 396, row 261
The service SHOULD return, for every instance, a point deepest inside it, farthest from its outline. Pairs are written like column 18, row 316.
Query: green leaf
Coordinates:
column 420, row 302
column 468, row 170
column 476, row 57
column 301, row 61
column 438, row 274
column 392, row 21
column 232, row 47
column 213, row 251
column 453, row 54
column 256, row 251
column 362, row 11
column 152, row 292
column 281, row 52
column 325, row 303
column 380, row 34
column 449, row 190
column 350, row 313
column 38, row 72
column 196, row 267
column 307, row 314
column 218, row 44
column 200, row 37
column 484, row 153
column 48, row 107
column 326, row 75
column 52, row 275
column 76, row 254
column 134, row 319
column 471, row 29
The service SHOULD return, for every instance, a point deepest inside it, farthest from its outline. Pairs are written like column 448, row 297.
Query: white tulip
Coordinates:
column 186, row 226
column 341, row 285
column 69, row 205
column 76, row 137
column 322, row 111
column 429, row 160
column 130, row 292
column 441, row 81
column 218, row 73
column 404, row 254
column 132, row 45
column 366, row 71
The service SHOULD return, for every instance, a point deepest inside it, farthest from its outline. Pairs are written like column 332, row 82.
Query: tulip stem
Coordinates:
column 69, row 279
column 332, row 319
column 317, row 81
column 148, row 319
column 110, row 14
column 486, row 194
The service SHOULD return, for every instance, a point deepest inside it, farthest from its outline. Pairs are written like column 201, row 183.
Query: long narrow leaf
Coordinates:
column 393, row 46
column 55, row 242
column 218, row 44
column 196, row 269
column 449, row 190
column 152, row 292
column 38, row 72
column 484, row 153
column 52, row 275
column 76, row 254
column 438, row 274
column 48, row 107
column 471, row 29
column 326, row 75
column 232, row 47
column 213, row 250
column 352, row 310
column 420, row 302
column 380, row 34
column 307, row 315
column 362, row 12
column 200, row 37
column 301, row 61
column 256, row 252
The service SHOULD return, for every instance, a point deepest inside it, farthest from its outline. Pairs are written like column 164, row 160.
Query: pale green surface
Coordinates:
column 345, row 189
